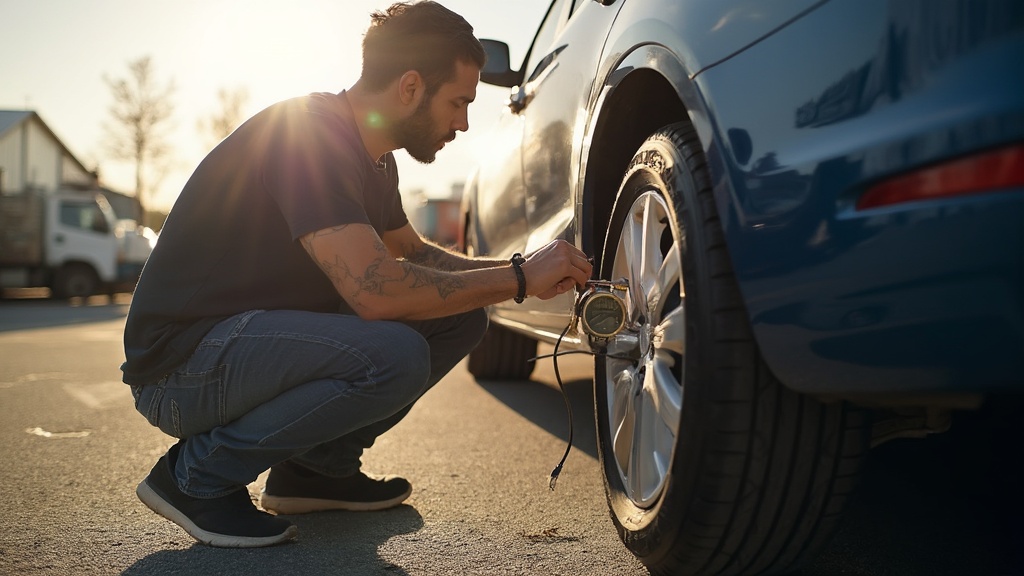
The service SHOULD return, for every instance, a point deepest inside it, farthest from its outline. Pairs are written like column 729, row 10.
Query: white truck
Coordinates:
column 71, row 242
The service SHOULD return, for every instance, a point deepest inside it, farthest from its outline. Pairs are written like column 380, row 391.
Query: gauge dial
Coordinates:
column 603, row 314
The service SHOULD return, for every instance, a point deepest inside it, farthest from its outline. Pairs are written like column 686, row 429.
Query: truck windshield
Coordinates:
column 84, row 217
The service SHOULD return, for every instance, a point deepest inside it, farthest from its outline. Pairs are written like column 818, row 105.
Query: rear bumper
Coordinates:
column 927, row 298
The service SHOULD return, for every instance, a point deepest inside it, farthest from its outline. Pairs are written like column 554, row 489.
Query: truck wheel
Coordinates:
column 711, row 465
column 75, row 280
column 502, row 355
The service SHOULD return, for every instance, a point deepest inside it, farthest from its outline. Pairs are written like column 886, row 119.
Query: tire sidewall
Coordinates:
column 76, row 280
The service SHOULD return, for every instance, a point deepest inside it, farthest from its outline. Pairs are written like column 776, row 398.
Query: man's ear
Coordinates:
column 411, row 88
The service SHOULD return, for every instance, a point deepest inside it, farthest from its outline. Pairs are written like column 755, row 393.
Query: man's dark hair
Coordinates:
column 422, row 36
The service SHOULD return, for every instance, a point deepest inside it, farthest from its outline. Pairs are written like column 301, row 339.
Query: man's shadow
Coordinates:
column 328, row 543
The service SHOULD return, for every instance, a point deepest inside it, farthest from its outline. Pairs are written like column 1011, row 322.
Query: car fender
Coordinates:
column 610, row 138
column 676, row 45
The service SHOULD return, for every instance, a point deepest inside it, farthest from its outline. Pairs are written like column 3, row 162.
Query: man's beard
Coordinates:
column 416, row 134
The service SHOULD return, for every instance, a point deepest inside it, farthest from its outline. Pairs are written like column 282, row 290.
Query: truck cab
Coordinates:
column 68, row 240
column 81, row 247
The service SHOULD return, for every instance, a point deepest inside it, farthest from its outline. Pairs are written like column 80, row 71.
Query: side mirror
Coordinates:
column 497, row 70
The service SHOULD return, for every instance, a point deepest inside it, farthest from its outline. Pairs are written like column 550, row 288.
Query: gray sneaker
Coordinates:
column 292, row 489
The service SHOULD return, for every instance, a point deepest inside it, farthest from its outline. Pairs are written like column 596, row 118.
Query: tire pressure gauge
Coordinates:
column 602, row 310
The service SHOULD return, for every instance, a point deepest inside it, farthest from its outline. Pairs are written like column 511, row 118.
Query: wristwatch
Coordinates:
column 517, row 265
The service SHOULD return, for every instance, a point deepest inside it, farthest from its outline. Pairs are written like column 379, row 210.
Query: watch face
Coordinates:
column 603, row 315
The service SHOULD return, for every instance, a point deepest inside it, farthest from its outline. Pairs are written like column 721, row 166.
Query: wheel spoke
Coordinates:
column 668, row 278
column 650, row 258
column 670, row 334
column 667, row 393
column 646, row 446
column 637, row 455
column 626, row 257
column 622, row 417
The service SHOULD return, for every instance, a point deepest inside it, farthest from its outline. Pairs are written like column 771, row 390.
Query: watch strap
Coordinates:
column 517, row 265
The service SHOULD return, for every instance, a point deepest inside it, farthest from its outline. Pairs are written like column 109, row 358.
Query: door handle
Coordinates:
column 522, row 95
column 518, row 99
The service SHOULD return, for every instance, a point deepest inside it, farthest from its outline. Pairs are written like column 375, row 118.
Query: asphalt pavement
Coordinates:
column 478, row 454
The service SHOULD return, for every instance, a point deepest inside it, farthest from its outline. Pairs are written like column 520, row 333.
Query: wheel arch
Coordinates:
column 59, row 276
column 646, row 89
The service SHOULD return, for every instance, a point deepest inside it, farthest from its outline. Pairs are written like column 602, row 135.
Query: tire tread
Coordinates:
column 502, row 355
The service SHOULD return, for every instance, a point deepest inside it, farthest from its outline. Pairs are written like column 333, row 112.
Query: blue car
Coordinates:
column 809, row 219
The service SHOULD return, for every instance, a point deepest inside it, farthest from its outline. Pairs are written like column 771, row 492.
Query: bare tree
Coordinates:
column 141, row 113
column 228, row 117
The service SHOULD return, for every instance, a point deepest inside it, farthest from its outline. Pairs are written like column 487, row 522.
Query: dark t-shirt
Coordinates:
column 230, row 243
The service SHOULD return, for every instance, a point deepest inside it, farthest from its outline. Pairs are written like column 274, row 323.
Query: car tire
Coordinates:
column 502, row 355
column 711, row 465
column 75, row 280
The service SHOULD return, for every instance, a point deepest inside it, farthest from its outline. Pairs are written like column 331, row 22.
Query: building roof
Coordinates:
column 11, row 118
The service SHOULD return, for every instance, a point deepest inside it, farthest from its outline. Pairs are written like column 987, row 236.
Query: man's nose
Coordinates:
column 461, row 122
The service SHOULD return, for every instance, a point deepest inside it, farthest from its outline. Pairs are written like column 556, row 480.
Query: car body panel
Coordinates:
column 500, row 224
column 926, row 85
column 800, row 107
column 560, row 81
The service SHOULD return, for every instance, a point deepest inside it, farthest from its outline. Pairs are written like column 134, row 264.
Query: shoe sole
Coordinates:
column 155, row 502
column 296, row 505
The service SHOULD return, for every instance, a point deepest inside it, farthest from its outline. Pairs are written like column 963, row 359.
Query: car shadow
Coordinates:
column 945, row 505
column 543, row 404
column 328, row 543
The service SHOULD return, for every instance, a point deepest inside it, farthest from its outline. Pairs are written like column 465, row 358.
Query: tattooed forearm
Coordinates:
column 446, row 284
column 377, row 277
column 376, row 280
column 372, row 281
column 362, row 276
column 432, row 257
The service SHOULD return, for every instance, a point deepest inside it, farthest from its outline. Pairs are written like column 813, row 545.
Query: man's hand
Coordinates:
column 555, row 269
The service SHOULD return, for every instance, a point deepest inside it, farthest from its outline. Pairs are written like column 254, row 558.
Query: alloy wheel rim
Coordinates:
column 645, row 391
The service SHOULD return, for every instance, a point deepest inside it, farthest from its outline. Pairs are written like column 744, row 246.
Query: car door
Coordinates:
column 80, row 230
column 498, row 187
column 558, row 87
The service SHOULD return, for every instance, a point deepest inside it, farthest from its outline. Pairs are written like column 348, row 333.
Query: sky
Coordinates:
column 55, row 54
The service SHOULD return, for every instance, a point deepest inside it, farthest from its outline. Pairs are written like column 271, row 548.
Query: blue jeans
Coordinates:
column 268, row 386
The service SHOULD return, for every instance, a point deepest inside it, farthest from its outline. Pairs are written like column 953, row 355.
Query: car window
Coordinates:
column 540, row 54
column 83, row 217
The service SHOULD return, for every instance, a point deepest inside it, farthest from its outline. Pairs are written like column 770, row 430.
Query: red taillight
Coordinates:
column 987, row 172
